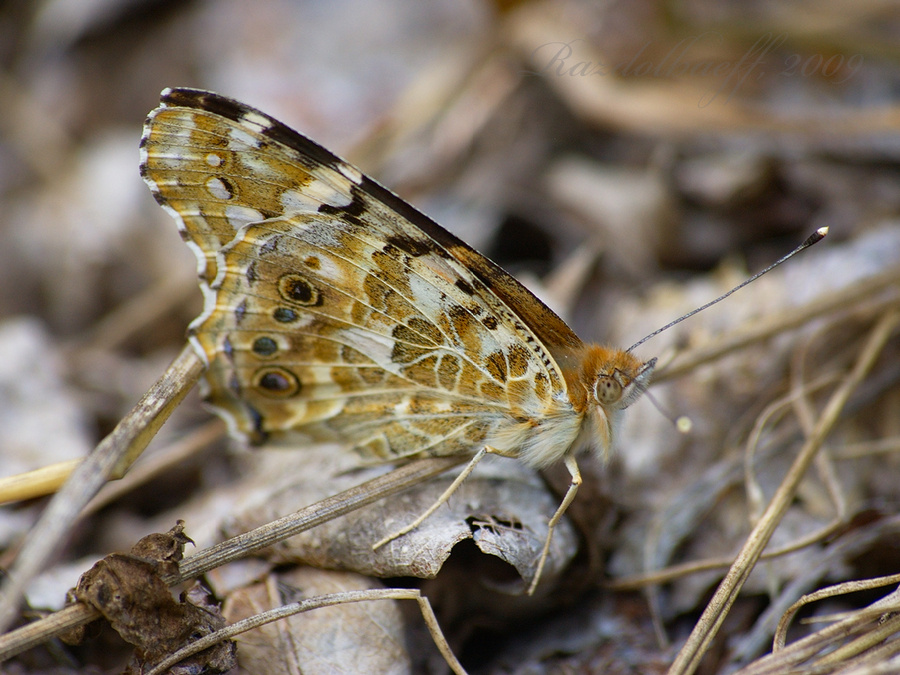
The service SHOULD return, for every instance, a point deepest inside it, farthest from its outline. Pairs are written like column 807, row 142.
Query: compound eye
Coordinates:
column 607, row 390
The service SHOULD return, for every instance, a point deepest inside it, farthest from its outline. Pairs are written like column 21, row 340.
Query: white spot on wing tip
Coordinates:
column 325, row 193
column 350, row 172
column 256, row 120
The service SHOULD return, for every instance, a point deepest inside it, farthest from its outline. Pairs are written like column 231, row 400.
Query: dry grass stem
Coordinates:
column 864, row 649
column 831, row 591
column 37, row 483
column 634, row 582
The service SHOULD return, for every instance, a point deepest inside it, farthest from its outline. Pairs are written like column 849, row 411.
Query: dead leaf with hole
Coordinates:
column 503, row 507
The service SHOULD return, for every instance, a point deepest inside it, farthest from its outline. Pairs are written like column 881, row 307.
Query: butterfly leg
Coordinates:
column 441, row 500
column 572, row 466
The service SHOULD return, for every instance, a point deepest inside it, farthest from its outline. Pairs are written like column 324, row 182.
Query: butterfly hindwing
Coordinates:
column 320, row 341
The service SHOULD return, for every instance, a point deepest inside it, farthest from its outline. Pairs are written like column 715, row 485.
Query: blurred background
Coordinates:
column 628, row 161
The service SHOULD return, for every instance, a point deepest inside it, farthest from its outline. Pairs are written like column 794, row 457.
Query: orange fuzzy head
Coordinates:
column 605, row 382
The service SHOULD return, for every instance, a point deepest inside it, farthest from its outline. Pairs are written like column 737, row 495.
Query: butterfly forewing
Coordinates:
column 334, row 308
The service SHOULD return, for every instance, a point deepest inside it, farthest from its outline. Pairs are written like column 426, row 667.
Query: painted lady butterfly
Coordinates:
column 335, row 310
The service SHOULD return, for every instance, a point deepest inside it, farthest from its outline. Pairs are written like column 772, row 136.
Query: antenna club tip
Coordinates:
column 684, row 424
column 814, row 238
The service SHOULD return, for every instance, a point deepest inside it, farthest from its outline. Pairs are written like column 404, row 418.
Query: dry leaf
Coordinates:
column 503, row 506
column 365, row 637
column 127, row 589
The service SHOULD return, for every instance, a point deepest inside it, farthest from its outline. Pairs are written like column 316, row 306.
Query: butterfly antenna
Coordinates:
column 814, row 238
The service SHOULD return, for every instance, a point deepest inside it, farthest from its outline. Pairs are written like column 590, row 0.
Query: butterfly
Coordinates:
column 333, row 309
